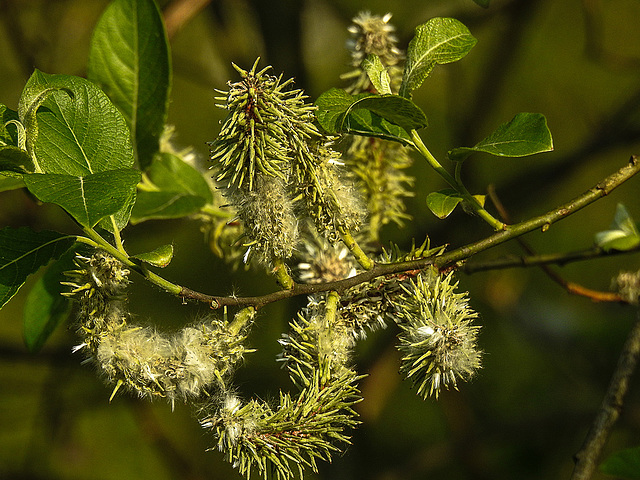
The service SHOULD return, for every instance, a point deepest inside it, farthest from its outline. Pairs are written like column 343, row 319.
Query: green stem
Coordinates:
column 455, row 183
column 282, row 274
column 241, row 319
column 362, row 258
column 139, row 268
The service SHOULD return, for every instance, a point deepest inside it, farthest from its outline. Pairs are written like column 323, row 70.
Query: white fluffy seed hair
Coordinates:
column 269, row 218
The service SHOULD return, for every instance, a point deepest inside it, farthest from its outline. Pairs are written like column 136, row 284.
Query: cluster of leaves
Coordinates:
column 83, row 144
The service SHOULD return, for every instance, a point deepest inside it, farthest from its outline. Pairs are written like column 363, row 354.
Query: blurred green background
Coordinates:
column 549, row 355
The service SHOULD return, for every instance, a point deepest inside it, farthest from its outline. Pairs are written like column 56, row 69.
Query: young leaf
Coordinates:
column 160, row 257
column 623, row 464
column 23, row 252
column 178, row 190
column 377, row 73
column 385, row 116
column 129, row 58
column 439, row 41
column 442, row 203
column 526, row 134
column 622, row 234
column 74, row 129
column 45, row 307
column 88, row 199
column 120, row 219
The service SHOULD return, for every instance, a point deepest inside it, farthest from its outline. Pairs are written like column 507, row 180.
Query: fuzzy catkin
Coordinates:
column 438, row 338
column 139, row 359
column 268, row 216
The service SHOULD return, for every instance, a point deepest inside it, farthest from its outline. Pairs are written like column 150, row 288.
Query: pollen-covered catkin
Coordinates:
column 138, row 358
column 438, row 338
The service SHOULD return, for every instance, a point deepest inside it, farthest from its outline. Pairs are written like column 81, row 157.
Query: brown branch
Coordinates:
column 452, row 259
column 588, row 456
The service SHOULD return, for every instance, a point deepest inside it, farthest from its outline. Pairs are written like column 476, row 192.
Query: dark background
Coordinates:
column 549, row 355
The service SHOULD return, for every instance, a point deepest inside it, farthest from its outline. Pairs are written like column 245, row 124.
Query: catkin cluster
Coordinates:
column 278, row 441
column 379, row 165
column 276, row 168
column 138, row 358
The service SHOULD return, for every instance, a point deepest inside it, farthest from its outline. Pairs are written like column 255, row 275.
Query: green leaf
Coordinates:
column 129, row 58
column 88, row 199
column 169, row 173
column 45, row 307
column 622, row 234
column 526, row 134
column 160, row 257
column 8, row 135
column 75, row 129
column 377, row 74
column 385, row 116
column 23, row 252
column 162, row 205
column 14, row 162
column 483, row 3
column 439, row 41
column 176, row 190
column 120, row 219
column 444, row 202
column 623, row 464
column 10, row 183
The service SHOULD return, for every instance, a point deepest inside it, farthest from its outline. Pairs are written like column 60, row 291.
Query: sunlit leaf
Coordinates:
column 444, row 202
column 526, row 134
column 88, row 199
column 377, row 73
column 385, row 116
column 129, row 58
column 439, row 41
column 622, row 234
column 159, row 257
column 78, row 131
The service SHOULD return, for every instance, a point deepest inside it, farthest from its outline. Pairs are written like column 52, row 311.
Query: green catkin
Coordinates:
column 282, row 441
column 438, row 338
column 138, row 359
column 269, row 220
column 377, row 164
column 270, row 152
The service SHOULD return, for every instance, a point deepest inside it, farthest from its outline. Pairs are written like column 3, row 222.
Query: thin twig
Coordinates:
column 452, row 259
column 588, row 456
column 570, row 287
column 560, row 259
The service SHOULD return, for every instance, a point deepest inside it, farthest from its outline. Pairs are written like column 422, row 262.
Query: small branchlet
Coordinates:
column 438, row 338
